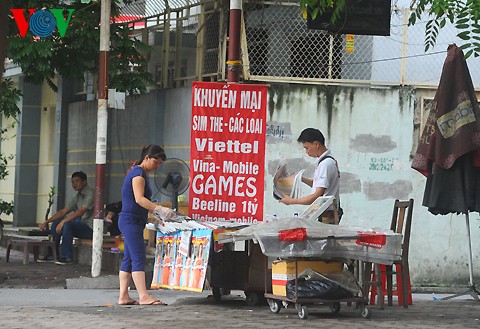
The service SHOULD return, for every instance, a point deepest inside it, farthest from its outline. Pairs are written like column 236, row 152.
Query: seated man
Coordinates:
column 64, row 223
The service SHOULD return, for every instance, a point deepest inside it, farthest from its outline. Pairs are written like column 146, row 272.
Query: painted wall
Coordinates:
column 45, row 161
column 8, row 146
column 371, row 133
column 156, row 118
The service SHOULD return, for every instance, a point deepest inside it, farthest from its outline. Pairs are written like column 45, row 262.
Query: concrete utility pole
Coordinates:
column 101, row 148
column 234, row 64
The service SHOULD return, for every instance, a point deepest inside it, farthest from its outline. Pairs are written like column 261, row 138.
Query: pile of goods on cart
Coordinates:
column 307, row 260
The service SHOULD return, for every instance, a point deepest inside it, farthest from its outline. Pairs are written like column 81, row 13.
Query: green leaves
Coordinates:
column 77, row 51
column 128, row 63
column 319, row 7
column 3, row 165
column 34, row 57
column 9, row 97
column 431, row 33
column 464, row 15
column 5, row 207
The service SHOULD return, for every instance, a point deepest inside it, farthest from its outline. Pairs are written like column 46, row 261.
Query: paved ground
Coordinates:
column 37, row 275
column 56, row 307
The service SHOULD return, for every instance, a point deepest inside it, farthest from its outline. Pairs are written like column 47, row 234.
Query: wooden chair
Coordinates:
column 372, row 278
column 401, row 223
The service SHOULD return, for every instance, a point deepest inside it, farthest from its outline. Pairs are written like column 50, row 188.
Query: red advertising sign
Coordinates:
column 227, row 153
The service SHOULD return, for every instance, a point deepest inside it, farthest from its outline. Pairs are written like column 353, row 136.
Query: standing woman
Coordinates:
column 136, row 204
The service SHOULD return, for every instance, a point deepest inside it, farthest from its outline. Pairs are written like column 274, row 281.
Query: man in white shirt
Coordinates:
column 326, row 179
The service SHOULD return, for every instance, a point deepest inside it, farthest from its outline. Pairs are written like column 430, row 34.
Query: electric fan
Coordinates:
column 172, row 179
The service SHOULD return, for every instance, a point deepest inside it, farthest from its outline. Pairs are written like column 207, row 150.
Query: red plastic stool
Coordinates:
column 396, row 292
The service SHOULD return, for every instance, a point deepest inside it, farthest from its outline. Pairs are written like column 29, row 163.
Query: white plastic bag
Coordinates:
column 163, row 213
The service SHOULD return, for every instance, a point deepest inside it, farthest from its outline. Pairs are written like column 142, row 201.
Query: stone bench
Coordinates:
column 108, row 242
column 29, row 244
column 82, row 252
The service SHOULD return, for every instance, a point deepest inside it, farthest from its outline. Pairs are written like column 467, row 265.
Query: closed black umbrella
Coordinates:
column 448, row 153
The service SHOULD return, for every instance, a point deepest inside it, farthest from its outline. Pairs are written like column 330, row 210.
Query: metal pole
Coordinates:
column 234, row 63
column 472, row 290
column 330, row 60
column 403, row 62
column 470, row 261
column 101, row 147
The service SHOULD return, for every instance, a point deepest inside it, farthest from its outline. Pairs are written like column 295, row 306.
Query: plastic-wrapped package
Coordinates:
column 278, row 239
column 344, row 279
column 318, row 288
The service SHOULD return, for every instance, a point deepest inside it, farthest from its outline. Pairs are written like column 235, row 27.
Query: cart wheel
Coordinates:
column 303, row 312
column 217, row 294
column 366, row 313
column 252, row 298
column 274, row 305
column 335, row 308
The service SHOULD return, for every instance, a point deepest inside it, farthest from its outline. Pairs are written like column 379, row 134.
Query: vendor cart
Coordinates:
column 277, row 301
column 295, row 238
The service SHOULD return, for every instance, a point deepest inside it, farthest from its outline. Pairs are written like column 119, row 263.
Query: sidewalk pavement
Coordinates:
column 55, row 307
column 94, row 308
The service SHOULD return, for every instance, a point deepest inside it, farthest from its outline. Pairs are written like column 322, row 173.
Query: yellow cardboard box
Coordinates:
column 283, row 271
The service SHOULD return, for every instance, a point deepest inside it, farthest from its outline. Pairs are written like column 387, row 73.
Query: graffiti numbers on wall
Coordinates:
column 277, row 131
column 382, row 164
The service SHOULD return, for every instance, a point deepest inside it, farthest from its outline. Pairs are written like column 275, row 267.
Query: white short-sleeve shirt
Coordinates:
column 327, row 175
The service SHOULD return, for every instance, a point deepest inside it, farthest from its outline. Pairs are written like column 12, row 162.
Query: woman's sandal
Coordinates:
column 156, row 302
column 132, row 302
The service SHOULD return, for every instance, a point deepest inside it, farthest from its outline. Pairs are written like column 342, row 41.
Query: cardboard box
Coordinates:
column 283, row 271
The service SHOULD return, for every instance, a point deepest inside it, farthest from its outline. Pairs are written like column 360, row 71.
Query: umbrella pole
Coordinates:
column 470, row 261
column 472, row 291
